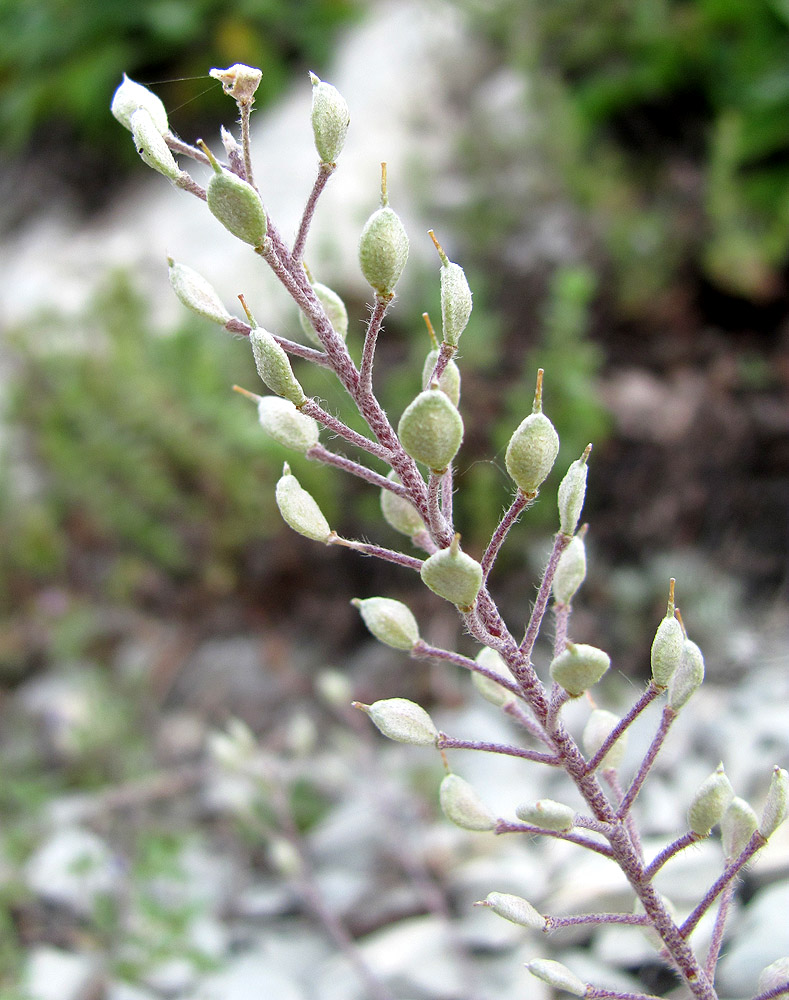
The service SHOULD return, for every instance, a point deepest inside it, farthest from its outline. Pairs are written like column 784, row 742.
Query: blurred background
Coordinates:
column 612, row 176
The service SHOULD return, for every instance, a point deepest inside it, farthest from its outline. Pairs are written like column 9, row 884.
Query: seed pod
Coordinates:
column 547, row 814
column 462, row 806
column 196, row 293
column 299, row 509
column 557, row 975
column 274, row 367
column 383, row 247
column 570, row 571
column 431, row 429
column 572, row 491
column 738, row 825
column 774, row 975
column 687, row 678
column 398, row 512
column 455, row 297
column 391, row 622
column 532, row 450
column 239, row 81
column 490, row 690
column 290, row 427
column 334, row 687
column 579, row 667
column 235, row 204
column 453, row 575
column 330, row 119
column 449, row 382
column 152, row 148
column 596, row 731
column 667, row 645
column 710, row 802
column 776, row 806
column 515, row 909
column 335, row 310
column 402, row 720
column 130, row 96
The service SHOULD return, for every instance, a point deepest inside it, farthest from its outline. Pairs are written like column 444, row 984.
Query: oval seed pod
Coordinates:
column 570, row 571
column 196, row 293
column 274, row 367
column 290, row 427
column 489, row 689
column 449, row 382
column 776, row 806
column 130, row 96
column 235, row 203
column 299, row 509
column 402, row 720
column 667, row 645
column 738, row 825
column 391, row 622
column 710, row 802
column 431, row 429
column 557, row 975
column 152, row 148
column 398, row 512
column 687, row 678
column 579, row 667
column 335, row 310
column 462, row 806
column 596, row 731
column 572, row 491
column 453, row 575
column 547, row 814
column 383, row 247
column 774, row 975
column 516, row 909
column 239, row 81
column 330, row 119
column 531, row 452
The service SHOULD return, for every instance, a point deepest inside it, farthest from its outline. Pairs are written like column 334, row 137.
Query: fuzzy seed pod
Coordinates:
column 596, row 731
column 152, row 148
column 710, row 802
column 667, row 648
column 774, row 975
column 557, row 975
column 290, row 427
column 196, row 293
column 579, row 667
column 776, row 806
column 239, row 81
column 570, row 571
column 431, row 429
column 398, row 512
column 463, row 807
column 299, row 509
column 449, row 382
column 335, row 310
column 129, row 97
column 738, row 825
column 402, row 720
column 391, row 622
column 531, row 452
column 235, row 204
column 274, row 367
column 490, row 690
column 547, row 814
column 453, row 575
column 383, row 250
column 455, row 301
column 572, row 491
column 687, row 678
column 515, row 909
column 330, row 119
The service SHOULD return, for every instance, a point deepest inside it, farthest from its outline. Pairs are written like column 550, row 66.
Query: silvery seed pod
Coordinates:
column 557, row 975
column 667, row 648
column 547, row 814
column 490, row 690
column 129, row 97
column 570, row 571
column 274, row 367
column 152, row 148
column 579, row 667
column 776, row 806
column 710, row 802
column 449, row 382
column 402, row 720
column 572, row 491
column 462, row 806
column 687, row 678
column 335, row 310
column 531, row 452
column 431, row 429
column 453, row 575
column 774, row 975
column 398, row 512
column 383, row 250
column 391, row 622
column 455, row 301
column 330, row 119
column 235, row 204
column 516, row 909
column 738, row 825
column 299, row 509
column 196, row 293
column 596, row 731
column 239, row 81
column 290, row 427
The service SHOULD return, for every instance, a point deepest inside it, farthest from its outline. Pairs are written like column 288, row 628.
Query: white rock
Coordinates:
column 73, row 868
column 52, row 974
column 761, row 937
column 249, row 977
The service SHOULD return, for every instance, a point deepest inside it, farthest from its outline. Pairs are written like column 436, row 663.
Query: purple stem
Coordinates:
column 612, row 778
column 633, row 919
column 668, row 852
column 717, row 933
column 513, row 709
column 186, row 182
column 445, row 742
column 422, row 651
column 532, row 630
column 593, row 993
column 245, row 107
column 574, row 838
column 447, row 498
column 668, row 717
column 316, row 411
column 370, row 341
column 518, row 505
column 387, row 555
column 325, row 170
column 776, row 991
column 646, row 699
column 184, row 149
column 562, row 615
